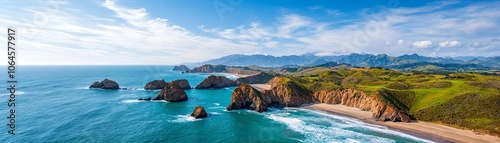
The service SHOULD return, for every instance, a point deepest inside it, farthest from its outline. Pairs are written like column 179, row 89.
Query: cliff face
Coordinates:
column 172, row 93
column 216, row 82
column 286, row 93
column 356, row 98
column 209, row 69
column 262, row 77
column 245, row 96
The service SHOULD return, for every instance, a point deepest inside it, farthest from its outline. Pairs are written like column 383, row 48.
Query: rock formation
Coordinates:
column 171, row 93
column 155, row 84
column 209, row 69
column 105, row 84
column 359, row 99
column 245, row 96
column 181, row 68
column 199, row 112
column 160, row 84
column 260, row 78
column 146, row 99
column 183, row 83
column 286, row 93
column 213, row 81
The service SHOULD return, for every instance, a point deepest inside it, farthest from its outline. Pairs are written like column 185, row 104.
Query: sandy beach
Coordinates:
column 426, row 130
column 261, row 87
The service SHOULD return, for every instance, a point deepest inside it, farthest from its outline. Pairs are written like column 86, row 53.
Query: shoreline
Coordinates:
column 425, row 130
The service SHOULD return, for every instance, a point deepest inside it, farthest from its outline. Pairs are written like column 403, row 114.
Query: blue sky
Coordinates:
column 129, row 32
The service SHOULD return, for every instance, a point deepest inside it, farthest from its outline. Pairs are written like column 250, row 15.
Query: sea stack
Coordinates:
column 155, row 84
column 199, row 112
column 105, row 84
column 216, row 82
column 247, row 97
column 172, row 93
column 181, row 68
column 160, row 84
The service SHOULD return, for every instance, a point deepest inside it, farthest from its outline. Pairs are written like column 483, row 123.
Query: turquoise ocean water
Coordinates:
column 54, row 104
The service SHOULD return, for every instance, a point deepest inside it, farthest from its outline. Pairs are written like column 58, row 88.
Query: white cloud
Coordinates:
column 422, row 44
column 401, row 42
column 450, row 44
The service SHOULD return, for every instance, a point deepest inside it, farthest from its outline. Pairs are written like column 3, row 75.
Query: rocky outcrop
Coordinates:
column 356, row 98
column 180, row 68
column 213, row 81
column 105, row 84
column 209, row 69
column 286, row 93
column 172, row 93
column 260, row 78
column 247, row 97
column 199, row 112
column 145, row 99
column 160, row 84
column 155, row 84
column 184, row 84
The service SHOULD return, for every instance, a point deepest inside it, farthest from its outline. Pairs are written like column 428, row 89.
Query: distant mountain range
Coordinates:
column 363, row 60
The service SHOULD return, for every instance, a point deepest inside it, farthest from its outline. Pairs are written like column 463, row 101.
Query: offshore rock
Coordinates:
column 199, row 112
column 105, row 84
column 213, row 81
column 172, row 93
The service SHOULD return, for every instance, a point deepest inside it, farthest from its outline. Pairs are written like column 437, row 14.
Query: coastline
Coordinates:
column 426, row 130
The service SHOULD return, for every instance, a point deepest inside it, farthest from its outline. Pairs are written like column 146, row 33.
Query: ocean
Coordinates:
column 54, row 104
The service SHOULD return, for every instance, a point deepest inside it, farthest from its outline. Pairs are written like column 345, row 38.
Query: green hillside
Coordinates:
column 465, row 100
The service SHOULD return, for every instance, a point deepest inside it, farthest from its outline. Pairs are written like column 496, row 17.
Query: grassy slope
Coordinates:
column 453, row 100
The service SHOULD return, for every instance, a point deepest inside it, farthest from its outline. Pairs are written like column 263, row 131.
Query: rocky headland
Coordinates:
column 286, row 93
column 105, row 84
column 213, row 81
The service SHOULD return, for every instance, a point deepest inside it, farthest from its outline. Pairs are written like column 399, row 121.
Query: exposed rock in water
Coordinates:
column 155, row 84
column 213, row 81
column 146, row 99
column 245, row 96
column 286, row 93
column 183, row 83
column 160, row 84
column 172, row 93
column 105, row 84
column 260, row 78
column 199, row 112
column 209, row 69
column 181, row 68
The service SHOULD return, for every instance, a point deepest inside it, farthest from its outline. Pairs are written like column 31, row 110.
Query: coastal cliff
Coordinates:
column 286, row 93
column 356, row 98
